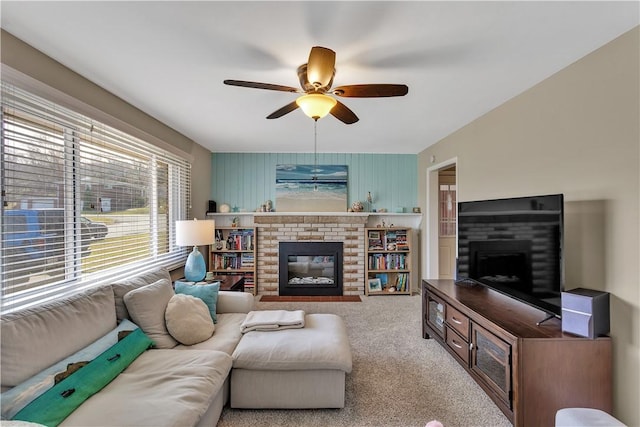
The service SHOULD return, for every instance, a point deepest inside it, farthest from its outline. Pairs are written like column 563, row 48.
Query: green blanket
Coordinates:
column 53, row 406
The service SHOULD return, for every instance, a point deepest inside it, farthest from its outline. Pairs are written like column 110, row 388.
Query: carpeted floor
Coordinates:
column 398, row 378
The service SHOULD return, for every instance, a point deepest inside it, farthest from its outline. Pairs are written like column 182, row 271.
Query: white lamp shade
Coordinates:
column 195, row 233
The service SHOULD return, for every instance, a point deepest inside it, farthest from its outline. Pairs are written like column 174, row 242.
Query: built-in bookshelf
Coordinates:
column 388, row 261
column 234, row 252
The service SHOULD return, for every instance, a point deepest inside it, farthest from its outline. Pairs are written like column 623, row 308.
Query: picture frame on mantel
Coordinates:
column 311, row 188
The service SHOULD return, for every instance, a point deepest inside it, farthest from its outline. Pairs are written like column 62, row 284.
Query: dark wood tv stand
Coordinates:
column 530, row 371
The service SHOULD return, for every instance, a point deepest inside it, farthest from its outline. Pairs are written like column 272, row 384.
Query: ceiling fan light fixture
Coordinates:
column 316, row 105
column 316, row 80
column 320, row 66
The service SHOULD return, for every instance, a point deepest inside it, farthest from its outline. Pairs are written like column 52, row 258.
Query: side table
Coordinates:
column 228, row 282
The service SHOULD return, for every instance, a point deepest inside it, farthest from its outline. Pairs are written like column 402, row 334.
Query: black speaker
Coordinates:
column 212, row 206
column 585, row 312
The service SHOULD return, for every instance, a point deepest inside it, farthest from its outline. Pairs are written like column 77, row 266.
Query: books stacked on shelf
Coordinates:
column 217, row 262
column 234, row 253
column 401, row 240
column 387, row 261
column 389, row 240
column 249, row 282
column 402, row 282
column 240, row 240
column 246, row 260
column 233, row 261
column 226, row 261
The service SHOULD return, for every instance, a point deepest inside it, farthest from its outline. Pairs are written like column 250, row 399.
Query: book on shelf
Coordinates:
column 247, row 260
column 225, row 261
column 237, row 239
column 384, row 279
column 389, row 240
column 387, row 262
column 401, row 240
column 402, row 282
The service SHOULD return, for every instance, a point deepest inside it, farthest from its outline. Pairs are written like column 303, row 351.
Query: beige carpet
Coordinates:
column 398, row 378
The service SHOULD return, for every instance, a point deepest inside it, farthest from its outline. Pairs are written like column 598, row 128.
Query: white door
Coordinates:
column 447, row 223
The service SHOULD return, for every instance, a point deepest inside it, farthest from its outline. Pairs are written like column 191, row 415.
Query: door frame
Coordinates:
column 431, row 236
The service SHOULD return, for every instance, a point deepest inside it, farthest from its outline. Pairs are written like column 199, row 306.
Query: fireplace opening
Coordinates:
column 310, row 268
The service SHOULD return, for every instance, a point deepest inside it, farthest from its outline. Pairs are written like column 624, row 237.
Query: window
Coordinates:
column 447, row 210
column 82, row 203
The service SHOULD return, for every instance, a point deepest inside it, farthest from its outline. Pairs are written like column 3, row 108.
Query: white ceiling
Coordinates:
column 459, row 59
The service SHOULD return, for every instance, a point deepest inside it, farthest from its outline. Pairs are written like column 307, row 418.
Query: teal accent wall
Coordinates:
column 246, row 180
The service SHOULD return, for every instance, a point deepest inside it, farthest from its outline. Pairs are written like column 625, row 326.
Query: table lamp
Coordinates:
column 195, row 233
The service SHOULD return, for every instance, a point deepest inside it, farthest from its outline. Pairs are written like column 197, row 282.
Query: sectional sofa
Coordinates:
column 174, row 382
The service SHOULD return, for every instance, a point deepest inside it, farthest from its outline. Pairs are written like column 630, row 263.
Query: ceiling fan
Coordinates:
column 316, row 78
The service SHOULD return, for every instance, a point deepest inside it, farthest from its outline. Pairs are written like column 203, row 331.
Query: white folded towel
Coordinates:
column 272, row 320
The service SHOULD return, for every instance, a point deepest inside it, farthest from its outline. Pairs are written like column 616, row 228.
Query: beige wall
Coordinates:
column 576, row 133
column 95, row 101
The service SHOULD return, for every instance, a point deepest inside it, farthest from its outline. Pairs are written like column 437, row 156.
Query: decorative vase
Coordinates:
column 357, row 206
column 195, row 268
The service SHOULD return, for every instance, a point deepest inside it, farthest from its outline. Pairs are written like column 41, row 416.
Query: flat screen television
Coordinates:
column 515, row 247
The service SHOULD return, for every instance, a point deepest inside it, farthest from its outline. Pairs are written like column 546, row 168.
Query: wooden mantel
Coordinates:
column 372, row 219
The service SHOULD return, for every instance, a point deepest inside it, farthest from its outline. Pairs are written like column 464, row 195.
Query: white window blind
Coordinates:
column 82, row 203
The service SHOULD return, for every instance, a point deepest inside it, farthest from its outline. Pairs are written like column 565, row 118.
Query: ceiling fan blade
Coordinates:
column 257, row 85
column 344, row 114
column 321, row 66
column 284, row 110
column 371, row 90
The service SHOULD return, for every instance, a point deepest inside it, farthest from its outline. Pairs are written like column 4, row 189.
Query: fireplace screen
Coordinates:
column 313, row 270
column 310, row 268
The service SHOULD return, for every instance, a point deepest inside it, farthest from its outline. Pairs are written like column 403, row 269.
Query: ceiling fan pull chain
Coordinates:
column 315, row 154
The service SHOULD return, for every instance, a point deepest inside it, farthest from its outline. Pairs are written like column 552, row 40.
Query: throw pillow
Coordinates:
column 146, row 306
column 53, row 406
column 120, row 289
column 21, row 424
column 16, row 398
column 188, row 319
column 207, row 293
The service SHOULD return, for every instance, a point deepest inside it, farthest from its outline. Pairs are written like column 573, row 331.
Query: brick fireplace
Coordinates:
column 273, row 229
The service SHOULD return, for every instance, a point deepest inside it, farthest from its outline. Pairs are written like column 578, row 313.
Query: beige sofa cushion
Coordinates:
column 160, row 388
column 225, row 338
column 322, row 344
column 146, row 306
column 234, row 302
column 188, row 319
column 36, row 338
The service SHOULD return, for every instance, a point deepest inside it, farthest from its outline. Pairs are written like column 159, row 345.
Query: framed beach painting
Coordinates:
column 374, row 285
column 311, row 188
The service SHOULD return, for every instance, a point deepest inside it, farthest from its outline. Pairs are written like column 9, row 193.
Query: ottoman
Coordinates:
column 293, row 368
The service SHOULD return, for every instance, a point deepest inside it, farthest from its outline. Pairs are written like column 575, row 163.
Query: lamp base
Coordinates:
column 195, row 269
